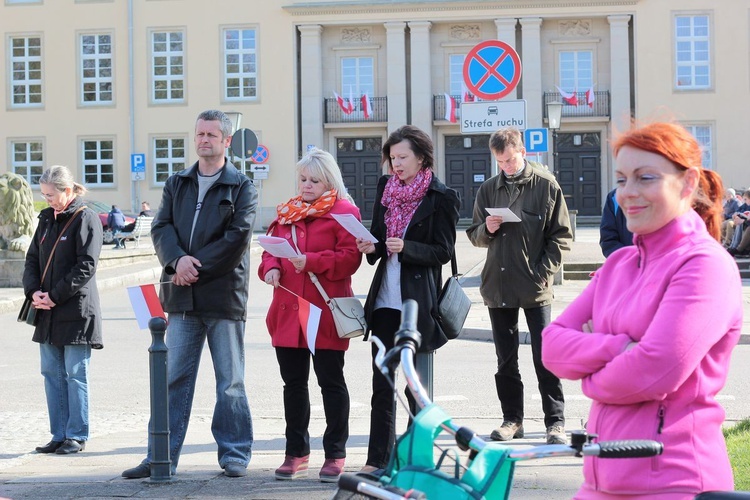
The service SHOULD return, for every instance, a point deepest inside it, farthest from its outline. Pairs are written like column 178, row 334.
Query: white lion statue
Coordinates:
column 16, row 213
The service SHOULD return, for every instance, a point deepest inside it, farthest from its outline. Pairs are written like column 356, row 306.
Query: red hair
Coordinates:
column 676, row 144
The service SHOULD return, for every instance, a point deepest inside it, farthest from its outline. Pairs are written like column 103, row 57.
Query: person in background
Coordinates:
column 522, row 259
column 414, row 220
column 330, row 252
column 116, row 224
column 145, row 212
column 613, row 229
column 731, row 207
column 69, row 320
column 201, row 235
column 651, row 336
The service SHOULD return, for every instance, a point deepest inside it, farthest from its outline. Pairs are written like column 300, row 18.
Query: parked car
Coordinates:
column 102, row 209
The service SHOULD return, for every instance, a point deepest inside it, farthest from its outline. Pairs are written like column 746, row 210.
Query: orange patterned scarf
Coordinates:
column 296, row 209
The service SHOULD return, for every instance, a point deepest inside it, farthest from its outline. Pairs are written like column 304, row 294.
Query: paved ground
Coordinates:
column 114, row 447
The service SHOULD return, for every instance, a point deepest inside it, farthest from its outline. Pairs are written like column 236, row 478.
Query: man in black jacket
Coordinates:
column 613, row 228
column 201, row 235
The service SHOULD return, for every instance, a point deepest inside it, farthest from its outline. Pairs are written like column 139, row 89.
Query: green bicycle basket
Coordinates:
column 413, row 465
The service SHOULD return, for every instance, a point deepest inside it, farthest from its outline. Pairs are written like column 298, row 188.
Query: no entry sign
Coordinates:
column 492, row 69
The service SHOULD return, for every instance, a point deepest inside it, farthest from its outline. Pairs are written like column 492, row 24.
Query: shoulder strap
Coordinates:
column 313, row 278
column 52, row 252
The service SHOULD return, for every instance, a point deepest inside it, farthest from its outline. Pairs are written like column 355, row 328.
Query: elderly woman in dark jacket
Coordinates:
column 414, row 220
column 67, row 302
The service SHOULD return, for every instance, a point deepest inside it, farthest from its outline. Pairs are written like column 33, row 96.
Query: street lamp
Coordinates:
column 554, row 117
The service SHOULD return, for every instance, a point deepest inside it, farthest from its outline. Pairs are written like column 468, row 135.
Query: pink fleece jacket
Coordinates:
column 678, row 294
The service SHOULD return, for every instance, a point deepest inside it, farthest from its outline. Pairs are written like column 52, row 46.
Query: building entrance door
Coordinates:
column 359, row 160
column 467, row 166
column 578, row 171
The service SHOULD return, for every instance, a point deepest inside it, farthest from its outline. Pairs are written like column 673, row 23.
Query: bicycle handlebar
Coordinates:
column 632, row 448
column 374, row 489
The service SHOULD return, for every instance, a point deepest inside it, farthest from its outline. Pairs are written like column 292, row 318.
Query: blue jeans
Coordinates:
column 232, row 425
column 66, row 385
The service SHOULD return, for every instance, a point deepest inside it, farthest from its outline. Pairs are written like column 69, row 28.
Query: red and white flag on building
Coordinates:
column 366, row 106
column 450, row 108
column 309, row 319
column 467, row 96
column 345, row 105
column 570, row 98
column 146, row 305
column 590, row 97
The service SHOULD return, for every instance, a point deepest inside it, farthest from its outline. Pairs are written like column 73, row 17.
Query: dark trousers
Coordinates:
column 385, row 324
column 294, row 365
column 508, row 378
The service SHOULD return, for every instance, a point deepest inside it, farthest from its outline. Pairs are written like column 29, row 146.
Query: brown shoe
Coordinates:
column 556, row 434
column 507, row 431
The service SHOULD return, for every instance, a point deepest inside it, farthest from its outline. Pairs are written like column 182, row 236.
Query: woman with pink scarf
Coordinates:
column 414, row 220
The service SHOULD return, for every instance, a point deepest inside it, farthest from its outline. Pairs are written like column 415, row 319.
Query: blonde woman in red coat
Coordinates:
column 330, row 252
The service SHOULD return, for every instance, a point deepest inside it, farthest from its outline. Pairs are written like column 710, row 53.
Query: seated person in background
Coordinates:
column 731, row 206
column 739, row 223
column 145, row 212
column 613, row 229
column 116, row 223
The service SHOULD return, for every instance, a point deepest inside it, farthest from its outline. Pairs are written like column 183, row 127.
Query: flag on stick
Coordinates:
column 590, row 97
column 345, row 106
column 309, row 319
column 146, row 305
column 450, row 108
column 569, row 98
column 366, row 106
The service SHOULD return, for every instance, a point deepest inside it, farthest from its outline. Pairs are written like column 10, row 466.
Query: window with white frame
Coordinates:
column 692, row 52
column 28, row 160
column 703, row 134
column 576, row 70
column 98, row 161
column 96, row 68
column 10, row 2
column 240, row 64
column 357, row 76
column 456, row 74
column 169, row 157
column 25, row 68
column 168, row 66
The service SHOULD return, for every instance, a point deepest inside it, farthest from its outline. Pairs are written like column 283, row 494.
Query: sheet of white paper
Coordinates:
column 355, row 228
column 505, row 213
column 278, row 247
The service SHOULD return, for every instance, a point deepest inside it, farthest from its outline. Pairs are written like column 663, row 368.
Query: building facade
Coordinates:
column 89, row 83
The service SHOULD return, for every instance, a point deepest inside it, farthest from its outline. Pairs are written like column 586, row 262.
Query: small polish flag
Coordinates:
column 366, row 106
column 309, row 319
column 345, row 106
column 590, row 97
column 467, row 96
column 145, row 304
column 352, row 107
column 570, row 98
column 450, row 108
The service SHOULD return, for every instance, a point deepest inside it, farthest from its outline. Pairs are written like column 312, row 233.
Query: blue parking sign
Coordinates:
column 137, row 166
column 535, row 140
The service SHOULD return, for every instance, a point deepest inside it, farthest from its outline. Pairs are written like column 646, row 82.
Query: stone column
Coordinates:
column 619, row 64
column 396, row 74
column 506, row 30
column 311, row 86
column 531, row 62
column 421, row 80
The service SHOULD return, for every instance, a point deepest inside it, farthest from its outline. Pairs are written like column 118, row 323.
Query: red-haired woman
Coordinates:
column 651, row 336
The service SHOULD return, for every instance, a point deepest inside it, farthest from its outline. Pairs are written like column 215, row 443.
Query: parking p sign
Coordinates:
column 137, row 166
column 535, row 140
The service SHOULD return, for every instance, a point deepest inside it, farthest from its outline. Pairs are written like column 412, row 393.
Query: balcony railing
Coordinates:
column 334, row 113
column 438, row 106
column 600, row 106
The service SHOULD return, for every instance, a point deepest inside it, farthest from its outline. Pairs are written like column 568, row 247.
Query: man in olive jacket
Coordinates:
column 522, row 259
column 201, row 235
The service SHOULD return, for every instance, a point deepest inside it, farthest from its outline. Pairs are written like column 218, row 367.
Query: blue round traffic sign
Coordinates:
column 261, row 154
column 492, row 69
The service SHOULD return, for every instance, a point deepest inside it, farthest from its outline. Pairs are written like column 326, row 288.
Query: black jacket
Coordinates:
column 613, row 229
column 429, row 242
column 221, row 242
column 76, row 317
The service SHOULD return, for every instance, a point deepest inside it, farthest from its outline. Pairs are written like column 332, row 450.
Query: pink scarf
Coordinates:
column 402, row 201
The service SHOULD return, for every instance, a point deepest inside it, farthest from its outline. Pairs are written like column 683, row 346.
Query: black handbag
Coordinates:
column 453, row 304
column 27, row 314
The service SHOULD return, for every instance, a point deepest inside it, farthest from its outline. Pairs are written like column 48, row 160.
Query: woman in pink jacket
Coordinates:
column 650, row 338
column 330, row 252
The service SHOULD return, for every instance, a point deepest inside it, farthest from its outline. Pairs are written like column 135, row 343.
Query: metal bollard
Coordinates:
column 159, row 428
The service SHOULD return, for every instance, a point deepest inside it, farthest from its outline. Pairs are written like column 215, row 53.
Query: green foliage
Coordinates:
column 39, row 205
column 738, row 446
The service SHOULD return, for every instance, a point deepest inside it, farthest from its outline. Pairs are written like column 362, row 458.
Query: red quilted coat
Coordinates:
column 333, row 256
